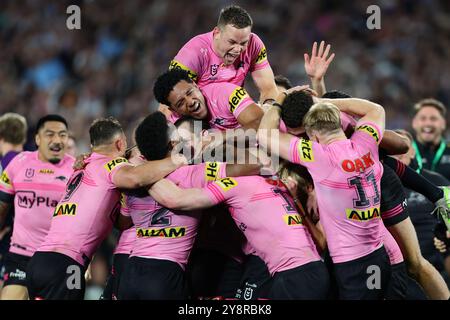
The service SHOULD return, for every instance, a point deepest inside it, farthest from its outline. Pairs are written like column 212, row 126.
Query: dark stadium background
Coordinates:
column 109, row 66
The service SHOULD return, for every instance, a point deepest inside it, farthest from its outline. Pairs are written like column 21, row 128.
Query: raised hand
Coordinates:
column 316, row 66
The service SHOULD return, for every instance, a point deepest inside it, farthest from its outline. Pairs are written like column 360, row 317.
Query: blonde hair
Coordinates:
column 323, row 117
column 13, row 128
column 300, row 175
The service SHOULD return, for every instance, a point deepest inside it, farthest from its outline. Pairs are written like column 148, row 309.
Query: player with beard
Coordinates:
column 33, row 182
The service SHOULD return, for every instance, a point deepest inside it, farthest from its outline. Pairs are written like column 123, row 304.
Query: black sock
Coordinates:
column 414, row 181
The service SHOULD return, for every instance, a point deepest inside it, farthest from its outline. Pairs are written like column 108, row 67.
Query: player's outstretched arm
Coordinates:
column 166, row 193
column 367, row 110
column 132, row 177
column 265, row 82
column 250, row 118
column 316, row 66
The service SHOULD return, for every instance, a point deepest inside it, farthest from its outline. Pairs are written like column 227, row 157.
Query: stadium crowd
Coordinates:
column 109, row 68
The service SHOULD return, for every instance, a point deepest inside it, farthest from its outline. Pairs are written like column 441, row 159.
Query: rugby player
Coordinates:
column 86, row 213
column 33, row 183
column 227, row 54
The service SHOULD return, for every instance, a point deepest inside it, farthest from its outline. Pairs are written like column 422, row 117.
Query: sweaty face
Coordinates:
column 52, row 141
column 230, row 42
column 186, row 99
column 429, row 125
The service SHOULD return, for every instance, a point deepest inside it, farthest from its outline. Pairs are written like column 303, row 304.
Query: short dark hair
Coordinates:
column 236, row 16
column 165, row 83
column 13, row 128
column 335, row 94
column 152, row 138
column 103, row 130
column 50, row 117
column 430, row 102
column 191, row 121
column 295, row 107
column 282, row 81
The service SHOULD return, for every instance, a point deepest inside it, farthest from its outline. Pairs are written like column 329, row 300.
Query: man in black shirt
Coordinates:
column 420, row 209
column 429, row 124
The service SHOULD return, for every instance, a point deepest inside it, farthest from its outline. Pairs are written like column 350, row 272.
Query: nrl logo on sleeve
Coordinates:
column 177, row 65
column 5, row 179
column 236, row 98
column 305, row 150
column 370, row 130
column 65, row 209
column 211, row 171
column 227, row 183
column 113, row 163
column 262, row 55
column 214, row 69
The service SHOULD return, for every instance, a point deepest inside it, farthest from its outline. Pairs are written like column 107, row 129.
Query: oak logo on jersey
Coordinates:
column 370, row 130
column 113, row 163
column 5, row 179
column 262, row 55
column 46, row 171
column 211, row 171
column 236, row 98
column 171, row 232
column 178, row 65
column 363, row 215
column 293, row 219
column 65, row 209
column 357, row 165
column 305, row 150
column 227, row 183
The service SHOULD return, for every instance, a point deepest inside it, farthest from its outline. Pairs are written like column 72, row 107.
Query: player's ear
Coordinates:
column 216, row 32
column 37, row 139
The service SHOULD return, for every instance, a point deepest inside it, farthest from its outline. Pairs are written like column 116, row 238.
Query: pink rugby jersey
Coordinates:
column 169, row 234
column 346, row 177
column 267, row 216
column 225, row 102
column 37, row 187
column 204, row 66
column 86, row 213
column 126, row 239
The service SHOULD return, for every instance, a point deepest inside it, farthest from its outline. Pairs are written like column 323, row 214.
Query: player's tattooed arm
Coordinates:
column 265, row 82
column 133, row 177
column 367, row 110
column 316, row 66
column 169, row 195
